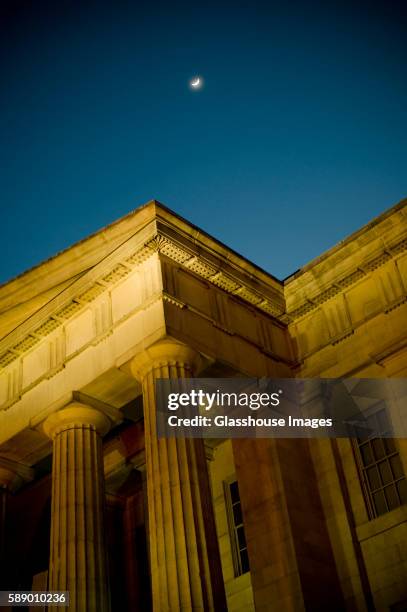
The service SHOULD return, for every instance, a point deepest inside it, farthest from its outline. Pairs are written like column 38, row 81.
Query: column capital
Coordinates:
column 165, row 352
column 6, row 477
column 13, row 474
column 76, row 415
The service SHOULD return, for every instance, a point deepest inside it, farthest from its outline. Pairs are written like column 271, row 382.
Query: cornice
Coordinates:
column 113, row 269
column 350, row 278
column 379, row 227
column 216, row 271
column 102, row 277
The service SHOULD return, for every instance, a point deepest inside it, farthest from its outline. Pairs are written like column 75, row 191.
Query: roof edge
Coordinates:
column 342, row 243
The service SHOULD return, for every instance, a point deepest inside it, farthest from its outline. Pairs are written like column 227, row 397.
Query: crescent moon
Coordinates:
column 196, row 82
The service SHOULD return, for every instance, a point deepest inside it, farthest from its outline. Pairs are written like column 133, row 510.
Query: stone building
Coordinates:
column 92, row 502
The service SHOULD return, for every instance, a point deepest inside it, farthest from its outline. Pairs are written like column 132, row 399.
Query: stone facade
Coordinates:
column 92, row 502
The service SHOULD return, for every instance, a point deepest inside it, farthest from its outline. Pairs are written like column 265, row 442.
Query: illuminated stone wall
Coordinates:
column 82, row 337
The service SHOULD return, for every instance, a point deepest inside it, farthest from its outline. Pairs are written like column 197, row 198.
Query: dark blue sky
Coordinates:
column 297, row 139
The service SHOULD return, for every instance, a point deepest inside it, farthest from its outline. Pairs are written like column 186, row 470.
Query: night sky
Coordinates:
column 297, row 138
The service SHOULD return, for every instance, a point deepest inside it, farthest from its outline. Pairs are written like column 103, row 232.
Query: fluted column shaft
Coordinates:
column 78, row 554
column 186, row 572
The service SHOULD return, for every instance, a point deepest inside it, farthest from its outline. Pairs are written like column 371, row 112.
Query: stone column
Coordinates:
column 78, row 555
column 186, row 572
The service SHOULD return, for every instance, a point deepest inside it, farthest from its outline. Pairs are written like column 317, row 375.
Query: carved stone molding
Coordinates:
column 109, row 279
column 346, row 281
column 212, row 271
